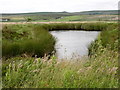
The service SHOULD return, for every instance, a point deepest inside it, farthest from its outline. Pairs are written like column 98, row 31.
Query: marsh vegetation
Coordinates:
column 21, row 43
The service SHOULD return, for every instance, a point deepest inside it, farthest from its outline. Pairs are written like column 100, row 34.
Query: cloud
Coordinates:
column 18, row 6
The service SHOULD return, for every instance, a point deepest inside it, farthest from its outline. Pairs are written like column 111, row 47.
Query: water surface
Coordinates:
column 73, row 44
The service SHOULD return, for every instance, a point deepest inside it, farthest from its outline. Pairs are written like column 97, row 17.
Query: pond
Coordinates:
column 73, row 44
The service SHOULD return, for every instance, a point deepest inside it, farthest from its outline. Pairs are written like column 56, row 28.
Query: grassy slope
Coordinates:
column 99, row 71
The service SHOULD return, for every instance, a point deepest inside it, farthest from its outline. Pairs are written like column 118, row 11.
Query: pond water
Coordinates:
column 73, row 44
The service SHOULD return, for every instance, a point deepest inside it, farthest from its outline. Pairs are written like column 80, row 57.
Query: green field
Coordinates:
column 29, row 61
column 108, row 15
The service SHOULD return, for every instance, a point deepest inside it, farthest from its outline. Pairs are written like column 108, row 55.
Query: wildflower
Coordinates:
column 37, row 70
column 89, row 67
column 114, row 69
column 80, row 70
column 20, row 65
column 10, row 65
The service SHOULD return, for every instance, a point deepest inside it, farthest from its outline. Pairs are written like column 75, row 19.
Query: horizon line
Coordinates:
column 55, row 11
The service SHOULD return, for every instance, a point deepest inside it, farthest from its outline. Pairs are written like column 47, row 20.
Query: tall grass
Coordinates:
column 79, row 26
column 109, row 39
column 100, row 71
column 35, row 39
column 97, row 71
column 37, row 42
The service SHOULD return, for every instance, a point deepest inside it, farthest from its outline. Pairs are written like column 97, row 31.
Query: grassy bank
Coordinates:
column 80, row 26
column 98, row 71
column 34, row 39
column 26, row 39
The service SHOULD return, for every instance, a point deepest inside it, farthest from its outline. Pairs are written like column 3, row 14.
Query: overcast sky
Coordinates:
column 23, row 6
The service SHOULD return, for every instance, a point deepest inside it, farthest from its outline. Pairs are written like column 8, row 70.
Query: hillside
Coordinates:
column 101, row 12
column 108, row 15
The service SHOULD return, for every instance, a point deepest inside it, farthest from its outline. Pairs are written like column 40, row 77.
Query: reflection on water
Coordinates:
column 73, row 44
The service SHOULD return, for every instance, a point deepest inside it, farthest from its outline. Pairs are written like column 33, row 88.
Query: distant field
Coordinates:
column 89, row 18
column 109, row 15
column 4, row 23
column 64, row 18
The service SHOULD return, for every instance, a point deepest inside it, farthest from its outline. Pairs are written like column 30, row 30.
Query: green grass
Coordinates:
column 79, row 26
column 63, row 16
column 69, row 18
column 73, row 18
column 99, row 70
column 30, row 39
